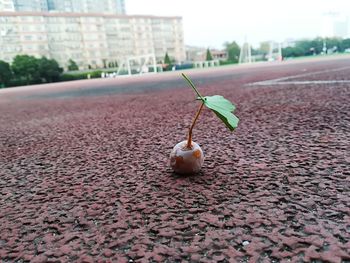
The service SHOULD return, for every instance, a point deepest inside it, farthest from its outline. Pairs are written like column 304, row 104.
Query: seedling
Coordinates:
column 187, row 156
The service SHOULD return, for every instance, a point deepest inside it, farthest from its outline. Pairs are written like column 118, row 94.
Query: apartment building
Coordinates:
column 30, row 5
column 91, row 40
column 6, row 5
column 74, row 6
column 87, row 6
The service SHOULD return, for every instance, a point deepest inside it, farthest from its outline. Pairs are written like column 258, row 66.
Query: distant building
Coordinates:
column 91, row 40
column 341, row 28
column 74, row 6
column 7, row 5
column 88, row 6
column 200, row 54
column 335, row 25
column 195, row 53
column 30, row 5
column 219, row 54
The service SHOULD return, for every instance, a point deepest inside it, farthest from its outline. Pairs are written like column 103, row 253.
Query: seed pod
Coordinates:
column 184, row 160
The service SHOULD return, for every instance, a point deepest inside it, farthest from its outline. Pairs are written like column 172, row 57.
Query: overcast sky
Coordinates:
column 210, row 23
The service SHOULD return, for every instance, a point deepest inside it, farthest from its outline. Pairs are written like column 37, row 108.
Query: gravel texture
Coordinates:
column 85, row 176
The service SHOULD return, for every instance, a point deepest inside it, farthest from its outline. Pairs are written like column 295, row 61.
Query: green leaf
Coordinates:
column 223, row 108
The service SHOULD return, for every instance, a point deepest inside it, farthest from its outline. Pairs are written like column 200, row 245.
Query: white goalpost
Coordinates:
column 245, row 56
column 138, row 65
column 275, row 52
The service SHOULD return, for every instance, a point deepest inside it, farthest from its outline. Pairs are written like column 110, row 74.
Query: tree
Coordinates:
column 49, row 69
column 167, row 59
column 208, row 56
column 292, row 52
column 72, row 65
column 335, row 44
column 315, row 46
column 5, row 73
column 167, row 62
column 233, row 51
column 346, row 43
column 26, row 67
column 306, row 46
column 104, row 61
column 264, row 48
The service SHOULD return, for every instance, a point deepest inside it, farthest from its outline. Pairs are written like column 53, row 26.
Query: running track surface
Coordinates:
column 85, row 177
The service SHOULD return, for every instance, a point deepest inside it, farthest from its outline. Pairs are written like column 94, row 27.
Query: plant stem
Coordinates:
column 193, row 87
column 189, row 139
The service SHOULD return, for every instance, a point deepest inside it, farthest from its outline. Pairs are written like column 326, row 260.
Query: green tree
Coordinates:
column 306, row 47
column 167, row 59
column 233, row 51
column 49, row 69
column 27, row 68
column 5, row 73
column 72, row 65
column 346, row 43
column 208, row 56
column 167, row 62
column 264, row 48
column 104, row 61
column 335, row 44
column 316, row 46
column 292, row 52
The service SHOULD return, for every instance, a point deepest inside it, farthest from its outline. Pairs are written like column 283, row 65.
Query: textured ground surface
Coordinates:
column 84, row 169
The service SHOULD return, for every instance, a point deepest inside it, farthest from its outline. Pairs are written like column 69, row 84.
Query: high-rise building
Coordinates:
column 88, row 6
column 7, row 5
column 91, row 40
column 336, row 24
column 75, row 6
column 120, row 5
column 30, row 5
column 60, row 5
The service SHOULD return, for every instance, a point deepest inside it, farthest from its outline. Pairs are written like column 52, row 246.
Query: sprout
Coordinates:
column 187, row 156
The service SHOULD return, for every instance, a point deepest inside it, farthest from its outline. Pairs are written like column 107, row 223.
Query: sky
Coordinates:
column 211, row 23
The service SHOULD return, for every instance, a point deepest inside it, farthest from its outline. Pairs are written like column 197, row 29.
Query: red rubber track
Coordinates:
column 84, row 172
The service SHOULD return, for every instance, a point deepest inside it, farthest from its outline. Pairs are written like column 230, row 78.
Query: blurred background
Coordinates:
column 45, row 41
